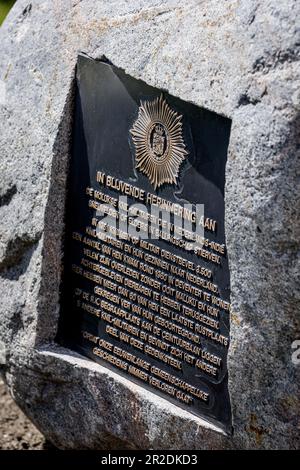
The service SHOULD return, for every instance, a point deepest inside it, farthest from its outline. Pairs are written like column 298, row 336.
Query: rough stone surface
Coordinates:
column 239, row 58
column 16, row 431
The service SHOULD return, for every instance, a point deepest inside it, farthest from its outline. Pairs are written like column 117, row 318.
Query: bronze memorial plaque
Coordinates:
column 146, row 288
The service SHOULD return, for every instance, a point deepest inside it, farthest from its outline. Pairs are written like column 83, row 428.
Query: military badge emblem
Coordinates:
column 158, row 139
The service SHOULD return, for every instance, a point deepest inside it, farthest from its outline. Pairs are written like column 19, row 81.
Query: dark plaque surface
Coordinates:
column 153, row 308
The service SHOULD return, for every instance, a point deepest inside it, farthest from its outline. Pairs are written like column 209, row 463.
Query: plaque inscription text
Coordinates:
column 144, row 292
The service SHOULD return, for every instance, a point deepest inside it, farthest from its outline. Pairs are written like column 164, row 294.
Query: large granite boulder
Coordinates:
column 239, row 58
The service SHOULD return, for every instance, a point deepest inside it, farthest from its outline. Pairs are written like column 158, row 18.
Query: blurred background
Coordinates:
column 5, row 6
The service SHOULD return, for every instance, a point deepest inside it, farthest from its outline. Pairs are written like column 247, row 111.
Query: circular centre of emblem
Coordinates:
column 158, row 139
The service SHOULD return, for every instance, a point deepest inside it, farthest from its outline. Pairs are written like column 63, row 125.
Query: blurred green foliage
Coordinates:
column 5, row 6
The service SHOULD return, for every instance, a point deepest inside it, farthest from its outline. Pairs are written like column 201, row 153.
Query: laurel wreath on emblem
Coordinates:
column 158, row 140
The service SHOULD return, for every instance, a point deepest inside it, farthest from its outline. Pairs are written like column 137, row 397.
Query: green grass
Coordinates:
column 5, row 6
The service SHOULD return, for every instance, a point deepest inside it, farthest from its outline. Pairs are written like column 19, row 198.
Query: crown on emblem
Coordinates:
column 159, row 129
